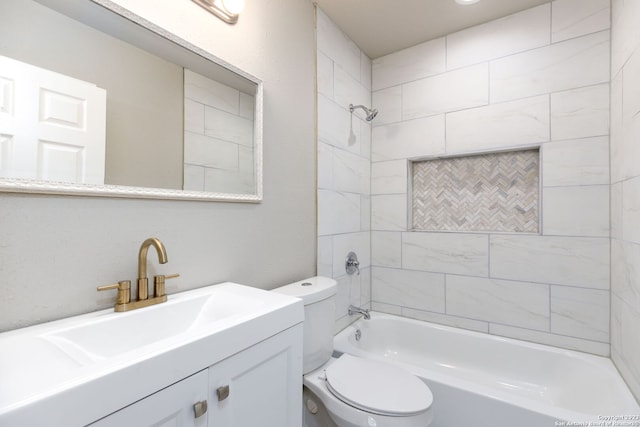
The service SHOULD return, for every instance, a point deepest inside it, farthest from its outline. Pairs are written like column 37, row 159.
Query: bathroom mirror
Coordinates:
column 116, row 106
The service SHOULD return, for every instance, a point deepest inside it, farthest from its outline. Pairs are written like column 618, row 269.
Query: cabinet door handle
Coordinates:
column 223, row 392
column 200, row 408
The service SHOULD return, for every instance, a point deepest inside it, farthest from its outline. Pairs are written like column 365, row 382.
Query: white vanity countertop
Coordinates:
column 77, row 370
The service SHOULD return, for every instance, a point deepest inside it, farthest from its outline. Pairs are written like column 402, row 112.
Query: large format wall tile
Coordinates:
column 324, row 78
column 620, row 153
column 579, row 344
column 325, row 256
column 579, row 261
column 451, row 91
column 413, row 138
column 338, row 212
column 581, row 313
column 580, row 113
column 365, row 71
column 631, row 97
column 631, row 210
column 625, row 191
column 445, row 319
column 325, row 166
column 512, row 34
column 365, row 212
column 616, row 211
column 453, row 253
column 576, row 162
column 627, row 354
column 576, row 211
column 625, row 271
column 616, row 327
column 389, row 105
column 365, row 139
column 348, row 90
column 336, row 127
column 627, row 150
column 499, row 301
column 389, row 177
column 406, row 288
column 337, row 46
column 574, row 18
column 416, row 62
column 386, row 249
column 389, row 212
column 625, row 32
column 566, row 65
column 501, row 125
column 351, row 172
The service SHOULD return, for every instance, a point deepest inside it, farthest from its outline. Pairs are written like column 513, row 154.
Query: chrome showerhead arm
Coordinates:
column 371, row 113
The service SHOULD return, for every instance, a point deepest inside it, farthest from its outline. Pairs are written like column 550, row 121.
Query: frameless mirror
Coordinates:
column 97, row 101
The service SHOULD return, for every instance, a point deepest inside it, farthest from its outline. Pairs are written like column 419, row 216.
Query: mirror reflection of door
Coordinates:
column 52, row 127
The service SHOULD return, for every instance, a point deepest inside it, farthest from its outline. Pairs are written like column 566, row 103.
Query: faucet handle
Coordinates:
column 352, row 264
column 158, row 283
column 124, row 291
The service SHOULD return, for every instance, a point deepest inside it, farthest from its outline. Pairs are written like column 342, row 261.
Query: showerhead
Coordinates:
column 371, row 113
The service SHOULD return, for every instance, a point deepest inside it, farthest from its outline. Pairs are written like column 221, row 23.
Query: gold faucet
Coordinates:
column 123, row 300
column 143, row 281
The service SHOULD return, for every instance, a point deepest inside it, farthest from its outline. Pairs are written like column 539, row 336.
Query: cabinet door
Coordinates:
column 169, row 407
column 263, row 382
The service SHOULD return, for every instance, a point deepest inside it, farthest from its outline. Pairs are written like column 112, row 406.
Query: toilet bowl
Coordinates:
column 360, row 392
column 356, row 392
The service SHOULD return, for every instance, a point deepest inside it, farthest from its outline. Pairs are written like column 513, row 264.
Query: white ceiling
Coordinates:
column 380, row 27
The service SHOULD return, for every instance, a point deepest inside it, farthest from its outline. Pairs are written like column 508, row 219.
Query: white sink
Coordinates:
column 112, row 335
column 122, row 357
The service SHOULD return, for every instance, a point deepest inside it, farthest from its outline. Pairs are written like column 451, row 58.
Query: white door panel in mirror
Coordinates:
column 53, row 125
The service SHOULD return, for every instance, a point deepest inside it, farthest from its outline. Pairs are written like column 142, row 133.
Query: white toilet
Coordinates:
column 357, row 392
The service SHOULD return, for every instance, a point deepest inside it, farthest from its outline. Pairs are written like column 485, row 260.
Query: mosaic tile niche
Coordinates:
column 489, row 192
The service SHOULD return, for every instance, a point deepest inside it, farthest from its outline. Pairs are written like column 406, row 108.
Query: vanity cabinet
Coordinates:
column 172, row 406
column 259, row 386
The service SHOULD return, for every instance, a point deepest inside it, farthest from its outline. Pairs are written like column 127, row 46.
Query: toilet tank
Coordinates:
column 319, row 297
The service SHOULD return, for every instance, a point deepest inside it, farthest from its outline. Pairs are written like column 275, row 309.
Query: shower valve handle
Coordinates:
column 352, row 265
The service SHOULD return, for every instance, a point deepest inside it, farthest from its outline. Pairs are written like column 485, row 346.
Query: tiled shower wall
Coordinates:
column 536, row 78
column 344, row 151
column 625, row 191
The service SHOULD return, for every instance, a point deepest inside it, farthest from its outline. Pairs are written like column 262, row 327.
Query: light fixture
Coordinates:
column 466, row 2
column 227, row 10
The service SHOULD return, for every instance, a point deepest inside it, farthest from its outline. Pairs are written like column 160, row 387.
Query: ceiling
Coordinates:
column 380, row 27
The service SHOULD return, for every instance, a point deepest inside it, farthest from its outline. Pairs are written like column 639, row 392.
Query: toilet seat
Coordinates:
column 377, row 387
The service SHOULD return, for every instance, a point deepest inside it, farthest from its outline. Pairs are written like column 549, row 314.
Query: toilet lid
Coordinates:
column 377, row 387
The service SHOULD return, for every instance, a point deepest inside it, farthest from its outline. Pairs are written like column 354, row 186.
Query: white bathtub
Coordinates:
column 481, row 380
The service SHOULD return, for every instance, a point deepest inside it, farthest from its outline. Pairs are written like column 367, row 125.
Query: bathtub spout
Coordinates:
column 357, row 310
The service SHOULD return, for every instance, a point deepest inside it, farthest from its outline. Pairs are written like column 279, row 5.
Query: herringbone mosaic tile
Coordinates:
column 489, row 192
